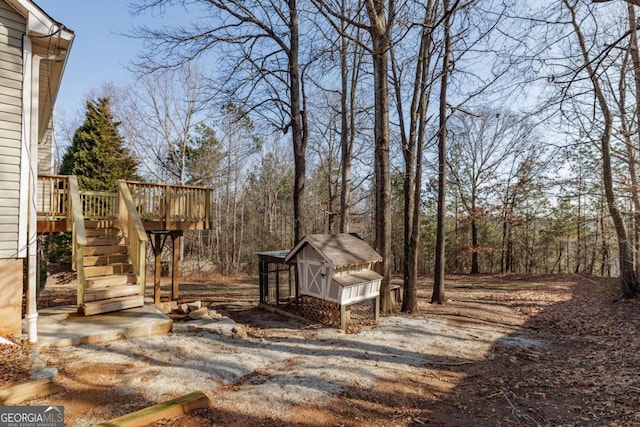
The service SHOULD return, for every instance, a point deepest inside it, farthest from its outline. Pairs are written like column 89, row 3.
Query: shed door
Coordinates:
column 314, row 278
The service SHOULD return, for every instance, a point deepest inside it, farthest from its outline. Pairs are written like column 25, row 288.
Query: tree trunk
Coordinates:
column 503, row 252
column 579, row 227
column 413, row 147
column 438, row 277
column 298, row 131
column 346, row 130
column 475, row 265
column 380, row 36
column 628, row 281
column 635, row 59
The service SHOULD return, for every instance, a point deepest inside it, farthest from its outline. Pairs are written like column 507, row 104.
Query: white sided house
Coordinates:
column 33, row 54
column 337, row 268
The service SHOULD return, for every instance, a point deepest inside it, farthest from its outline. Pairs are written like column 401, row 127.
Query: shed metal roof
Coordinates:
column 340, row 249
column 357, row 277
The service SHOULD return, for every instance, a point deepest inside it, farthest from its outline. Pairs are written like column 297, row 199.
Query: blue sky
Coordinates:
column 100, row 54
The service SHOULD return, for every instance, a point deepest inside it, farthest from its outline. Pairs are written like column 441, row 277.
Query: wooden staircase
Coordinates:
column 110, row 284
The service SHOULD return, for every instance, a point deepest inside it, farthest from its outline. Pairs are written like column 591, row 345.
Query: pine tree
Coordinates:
column 97, row 155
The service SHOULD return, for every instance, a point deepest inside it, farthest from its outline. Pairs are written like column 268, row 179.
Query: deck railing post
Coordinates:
column 79, row 237
column 167, row 206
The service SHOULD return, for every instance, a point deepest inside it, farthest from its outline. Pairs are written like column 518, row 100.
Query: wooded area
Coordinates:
column 457, row 137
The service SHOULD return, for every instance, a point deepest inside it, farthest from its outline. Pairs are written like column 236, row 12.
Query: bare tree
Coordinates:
column 381, row 16
column 438, row 277
column 159, row 115
column 257, row 46
column 350, row 73
column 631, row 61
column 628, row 280
column 482, row 146
column 413, row 146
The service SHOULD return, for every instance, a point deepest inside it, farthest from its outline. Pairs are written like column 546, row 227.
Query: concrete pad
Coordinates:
column 63, row 326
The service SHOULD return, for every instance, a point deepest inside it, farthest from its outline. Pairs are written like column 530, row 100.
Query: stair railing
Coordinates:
column 133, row 231
column 75, row 223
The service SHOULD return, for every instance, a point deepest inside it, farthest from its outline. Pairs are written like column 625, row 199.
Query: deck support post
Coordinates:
column 157, row 253
column 176, row 238
column 343, row 317
column 157, row 245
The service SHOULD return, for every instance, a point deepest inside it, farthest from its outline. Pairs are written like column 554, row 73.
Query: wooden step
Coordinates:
column 105, row 259
column 104, row 241
column 104, row 250
column 107, row 270
column 102, row 232
column 113, row 304
column 102, row 223
column 111, row 292
column 107, row 281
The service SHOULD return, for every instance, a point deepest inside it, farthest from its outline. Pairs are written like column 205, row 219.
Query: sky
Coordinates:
column 100, row 52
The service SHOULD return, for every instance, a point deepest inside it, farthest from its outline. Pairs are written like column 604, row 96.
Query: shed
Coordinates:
column 337, row 268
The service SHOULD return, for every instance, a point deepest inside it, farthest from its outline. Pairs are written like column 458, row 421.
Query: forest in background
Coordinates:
column 530, row 113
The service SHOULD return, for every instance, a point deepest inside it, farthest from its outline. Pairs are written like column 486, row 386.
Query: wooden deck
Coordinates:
column 161, row 207
column 124, row 222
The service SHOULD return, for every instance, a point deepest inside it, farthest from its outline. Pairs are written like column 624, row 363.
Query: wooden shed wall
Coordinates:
column 12, row 28
column 313, row 281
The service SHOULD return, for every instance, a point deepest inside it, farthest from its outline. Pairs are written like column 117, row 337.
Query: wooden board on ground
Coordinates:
column 22, row 392
column 170, row 409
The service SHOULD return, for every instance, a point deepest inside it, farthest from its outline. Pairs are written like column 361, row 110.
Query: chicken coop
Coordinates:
column 336, row 281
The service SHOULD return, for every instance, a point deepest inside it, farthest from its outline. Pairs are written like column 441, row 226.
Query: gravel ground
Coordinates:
column 503, row 351
column 280, row 365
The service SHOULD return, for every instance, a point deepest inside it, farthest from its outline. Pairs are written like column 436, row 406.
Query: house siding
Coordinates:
column 45, row 151
column 12, row 28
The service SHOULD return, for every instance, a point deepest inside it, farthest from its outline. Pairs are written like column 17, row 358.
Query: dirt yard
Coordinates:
column 503, row 351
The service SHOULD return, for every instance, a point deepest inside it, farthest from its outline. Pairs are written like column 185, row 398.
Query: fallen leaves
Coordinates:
column 15, row 362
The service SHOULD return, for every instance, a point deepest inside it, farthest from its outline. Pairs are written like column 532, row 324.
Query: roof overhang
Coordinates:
column 39, row 22
column 52, row 41
column 339, row 250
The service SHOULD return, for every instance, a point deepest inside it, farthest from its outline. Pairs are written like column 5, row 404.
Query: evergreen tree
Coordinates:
column 97, row 155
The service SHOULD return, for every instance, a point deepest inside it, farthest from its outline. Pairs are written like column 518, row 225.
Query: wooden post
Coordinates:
column 262, row 280
column 293, row 269
column 157, row 252
column 343, row 317
column 277, row 286
column 175, row 238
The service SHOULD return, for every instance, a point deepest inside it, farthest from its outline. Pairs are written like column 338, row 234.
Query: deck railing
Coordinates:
column 53, row 196
column 171, row 203
column 133, row 231
column 99, row 205
column 154, row 202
